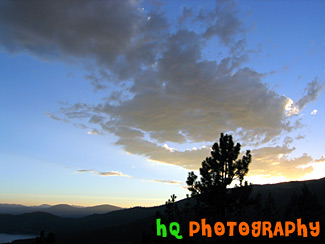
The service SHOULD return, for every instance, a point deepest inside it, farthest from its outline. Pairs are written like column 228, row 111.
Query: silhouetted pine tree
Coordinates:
column 210, row 198
column 218, row 172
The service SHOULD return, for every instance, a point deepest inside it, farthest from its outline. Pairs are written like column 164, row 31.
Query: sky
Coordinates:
column 114, row 102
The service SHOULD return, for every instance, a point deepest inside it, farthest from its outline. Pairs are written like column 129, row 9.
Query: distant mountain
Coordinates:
column 17, row 209
column 33, row 223
column 61, row 210
column 130, row 225
column 64, row 210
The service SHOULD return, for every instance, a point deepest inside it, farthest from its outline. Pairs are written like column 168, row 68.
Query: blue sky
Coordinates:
column 115, row 102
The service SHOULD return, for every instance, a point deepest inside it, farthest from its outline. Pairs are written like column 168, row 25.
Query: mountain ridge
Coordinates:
column 129, row 224
column 61, row 210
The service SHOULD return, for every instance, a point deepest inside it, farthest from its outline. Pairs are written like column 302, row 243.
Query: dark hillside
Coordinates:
column 130, row 225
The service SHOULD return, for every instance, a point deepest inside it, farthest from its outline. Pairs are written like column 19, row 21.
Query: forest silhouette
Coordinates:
column 210, row 199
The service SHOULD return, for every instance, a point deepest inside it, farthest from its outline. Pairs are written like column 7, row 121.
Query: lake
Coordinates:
column 4, row 238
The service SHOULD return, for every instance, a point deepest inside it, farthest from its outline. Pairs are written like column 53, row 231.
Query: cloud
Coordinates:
column 172, row 182
column 181, row 112
column 105, row 173
column 84, row 170
column 291, row 108
column 312, row 91
column 171, row 149
column 93, row 132
column 225, row 23
column 112, row 173
column 299, row 137
column 187, row 159
column 275, row 161
column 322, row 159
column 96, row 119
column 314, row 112
column 52, row 116
column 164, row 88
column 186, row 14
column 117, row 34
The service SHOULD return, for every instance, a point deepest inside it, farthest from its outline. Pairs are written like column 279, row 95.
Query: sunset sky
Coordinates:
column 114, row 102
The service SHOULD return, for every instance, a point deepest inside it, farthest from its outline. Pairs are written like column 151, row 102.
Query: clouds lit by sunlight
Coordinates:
column 161, row 87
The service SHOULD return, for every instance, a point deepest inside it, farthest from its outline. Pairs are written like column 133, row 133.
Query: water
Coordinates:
column 4, row 238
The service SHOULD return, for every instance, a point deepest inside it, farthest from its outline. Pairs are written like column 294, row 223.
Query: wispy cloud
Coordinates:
column 53, row 116
column 312, row 91
column 172, row 182
column 84, row 170
column 112, row 173
column 105, row 173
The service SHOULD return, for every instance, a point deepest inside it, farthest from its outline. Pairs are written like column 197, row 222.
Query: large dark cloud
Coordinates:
column 166, row 88
column 116, row 34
